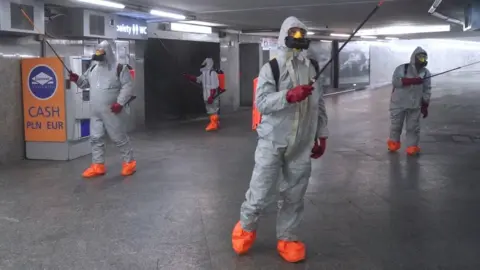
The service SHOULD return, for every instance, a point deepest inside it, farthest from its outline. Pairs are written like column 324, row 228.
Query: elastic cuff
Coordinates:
column 290, row 238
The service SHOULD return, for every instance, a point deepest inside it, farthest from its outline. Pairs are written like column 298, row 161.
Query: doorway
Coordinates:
column 168, row 95
column 249, row 69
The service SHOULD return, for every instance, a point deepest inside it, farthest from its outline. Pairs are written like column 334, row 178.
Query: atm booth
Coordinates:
column 56, row 112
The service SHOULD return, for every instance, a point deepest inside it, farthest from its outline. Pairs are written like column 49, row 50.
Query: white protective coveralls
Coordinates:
column 286, row 135
column 209, row 81
column 107, row 88
column 406, row 101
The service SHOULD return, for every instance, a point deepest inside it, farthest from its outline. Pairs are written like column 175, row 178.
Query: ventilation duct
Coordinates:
column 13, row 20
column 83, row 23
column 433, row 12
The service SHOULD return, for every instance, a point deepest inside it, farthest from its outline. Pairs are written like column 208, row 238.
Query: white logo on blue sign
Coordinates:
column 42, row 82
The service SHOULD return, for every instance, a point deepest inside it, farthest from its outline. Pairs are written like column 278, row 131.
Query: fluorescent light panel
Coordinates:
column 369, row 37
column 203, row 23
column 339, row 35
column 323, row 40
column 310, row 33
column 190, row 28
column 402, row 30
column 103, row 3
column 167, row 14
column 391, row 38
column 18, row 55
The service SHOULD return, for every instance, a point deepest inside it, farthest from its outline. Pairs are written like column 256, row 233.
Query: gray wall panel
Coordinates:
column 12, row 147
column 442, row 55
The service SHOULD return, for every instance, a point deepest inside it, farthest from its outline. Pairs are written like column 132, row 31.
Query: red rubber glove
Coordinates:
column 116, row 108
column 424, row 109
column 319, row 149
column 190, row 77
column 73, row 77
column 412, row 81
column 212, row 95
column 299, row 93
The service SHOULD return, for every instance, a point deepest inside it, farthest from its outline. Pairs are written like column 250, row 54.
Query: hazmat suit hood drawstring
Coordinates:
column 290, row 22
column 207, row 65
column 110, row 58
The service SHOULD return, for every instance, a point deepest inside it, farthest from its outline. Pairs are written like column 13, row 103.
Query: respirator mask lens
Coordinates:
column 296, row 39
column 422, row 59
column 99, row 55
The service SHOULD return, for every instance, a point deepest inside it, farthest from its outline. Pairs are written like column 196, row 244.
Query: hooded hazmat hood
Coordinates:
column 289, row 22
column 208, row 62
column 418, row 50
column 110, row 57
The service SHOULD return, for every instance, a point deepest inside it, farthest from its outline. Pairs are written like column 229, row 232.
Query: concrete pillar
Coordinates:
column 230, row 64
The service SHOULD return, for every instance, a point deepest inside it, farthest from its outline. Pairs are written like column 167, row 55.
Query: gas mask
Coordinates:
column 296, row 40
column 421, row 60
column 99, row 55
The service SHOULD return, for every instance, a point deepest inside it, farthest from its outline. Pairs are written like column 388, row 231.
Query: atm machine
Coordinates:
column 56, row 111
column 78, row 102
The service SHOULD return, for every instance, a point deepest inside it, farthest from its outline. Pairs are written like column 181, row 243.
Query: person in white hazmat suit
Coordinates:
column 294, row 120
column 410, row 99
column 111, row 88
column 210, row 85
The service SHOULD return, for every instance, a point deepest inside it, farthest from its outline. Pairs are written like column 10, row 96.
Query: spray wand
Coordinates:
column 314, row 79
column 46, row 41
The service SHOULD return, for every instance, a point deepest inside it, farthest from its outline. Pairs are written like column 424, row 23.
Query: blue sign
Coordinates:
column 130, row 28
column 42, row 82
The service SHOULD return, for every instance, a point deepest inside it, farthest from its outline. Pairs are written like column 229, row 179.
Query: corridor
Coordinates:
column 365, row 208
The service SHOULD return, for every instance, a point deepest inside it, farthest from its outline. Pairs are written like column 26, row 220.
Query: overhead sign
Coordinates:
column 130, row 28
column 43, row 100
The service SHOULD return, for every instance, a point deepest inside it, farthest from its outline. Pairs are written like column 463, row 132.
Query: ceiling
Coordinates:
column 334, row 15
column 338, row 15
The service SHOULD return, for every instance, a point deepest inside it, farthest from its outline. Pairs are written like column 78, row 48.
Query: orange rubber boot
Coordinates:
column 242, row 240
column 129, row 168
column 292, row 252
column 94, row 170
column 214, row 123
column 413, row 150
column 393, row 146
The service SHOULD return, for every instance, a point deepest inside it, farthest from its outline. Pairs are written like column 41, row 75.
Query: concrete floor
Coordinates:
column 365, row 208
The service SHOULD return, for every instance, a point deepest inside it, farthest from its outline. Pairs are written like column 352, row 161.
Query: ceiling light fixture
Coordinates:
column 391, row 38
column 18, row 55
column 339, row 35
column 203, row 23
column 103, row 3
column 323, row 40
column 369, row 37
column 310, row 33
column 190, row 28
column 167, row 14
column 405, row 29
